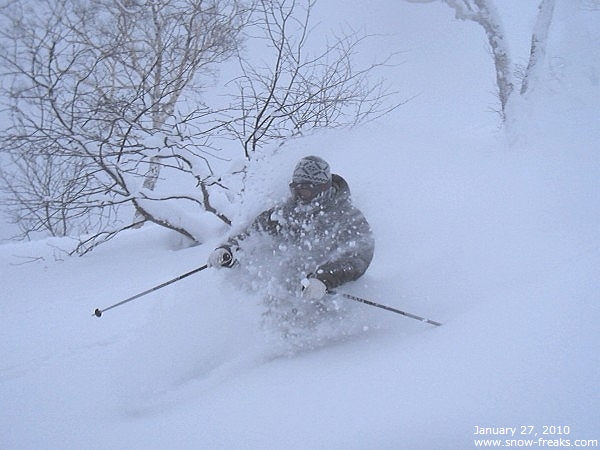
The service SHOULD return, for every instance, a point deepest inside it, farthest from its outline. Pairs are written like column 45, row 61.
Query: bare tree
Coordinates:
column 106, row 100
column 45, row 195
column 484, row 13
column 539, row 39
column 108, row 86
column 297, row 91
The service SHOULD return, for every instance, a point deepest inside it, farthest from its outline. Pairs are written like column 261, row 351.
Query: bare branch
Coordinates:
column 111, row 111
column 296, row 92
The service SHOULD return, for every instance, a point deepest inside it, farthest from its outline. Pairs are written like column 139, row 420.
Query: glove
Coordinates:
column 313, row 288
column 221, row 257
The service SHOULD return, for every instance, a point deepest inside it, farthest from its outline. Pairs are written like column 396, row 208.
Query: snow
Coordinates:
column 495, row 234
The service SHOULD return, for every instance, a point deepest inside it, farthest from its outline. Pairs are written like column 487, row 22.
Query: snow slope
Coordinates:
column 494, row 234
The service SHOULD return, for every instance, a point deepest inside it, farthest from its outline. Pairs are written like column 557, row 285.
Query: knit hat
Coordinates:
column 312, row 169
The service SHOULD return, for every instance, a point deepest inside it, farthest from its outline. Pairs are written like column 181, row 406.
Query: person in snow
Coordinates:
column 313, row 242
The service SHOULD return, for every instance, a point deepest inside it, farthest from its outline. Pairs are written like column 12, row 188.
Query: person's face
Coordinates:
column 307, row 192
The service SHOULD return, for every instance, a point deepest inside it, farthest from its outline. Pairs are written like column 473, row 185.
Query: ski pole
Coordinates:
column 388, row 308
column 98, row 312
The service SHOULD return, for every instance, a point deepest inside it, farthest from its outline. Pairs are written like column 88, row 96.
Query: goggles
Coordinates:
column 307, row 192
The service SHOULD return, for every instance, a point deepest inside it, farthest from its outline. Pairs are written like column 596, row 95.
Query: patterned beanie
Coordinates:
column 312, row 169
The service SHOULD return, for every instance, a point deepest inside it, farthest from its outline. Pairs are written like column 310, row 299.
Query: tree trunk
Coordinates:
column 539, row 39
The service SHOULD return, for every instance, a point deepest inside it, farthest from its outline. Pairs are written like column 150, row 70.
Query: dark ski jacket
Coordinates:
column 331, row 238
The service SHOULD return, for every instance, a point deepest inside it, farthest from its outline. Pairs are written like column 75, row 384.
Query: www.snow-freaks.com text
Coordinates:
column 529, row 436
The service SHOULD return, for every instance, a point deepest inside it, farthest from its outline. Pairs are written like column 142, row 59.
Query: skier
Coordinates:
column 313, row 242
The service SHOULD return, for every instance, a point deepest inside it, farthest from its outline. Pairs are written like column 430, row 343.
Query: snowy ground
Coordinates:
column 496, row 235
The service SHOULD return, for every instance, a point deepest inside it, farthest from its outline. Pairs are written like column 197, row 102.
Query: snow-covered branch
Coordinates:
column 112, row 114
column 485, row 14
